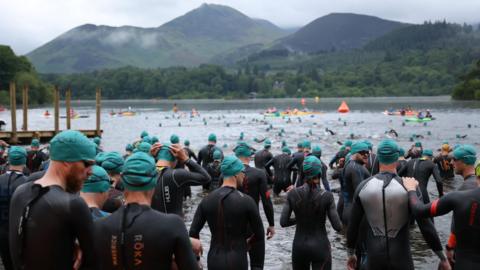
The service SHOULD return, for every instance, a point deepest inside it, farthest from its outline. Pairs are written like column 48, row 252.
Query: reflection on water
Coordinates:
column 228, row 118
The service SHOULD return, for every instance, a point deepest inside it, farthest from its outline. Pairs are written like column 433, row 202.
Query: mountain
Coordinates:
column 337, row 31
column 188, row 40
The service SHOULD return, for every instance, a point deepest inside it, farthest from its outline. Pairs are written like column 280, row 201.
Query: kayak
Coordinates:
column 418, row 120
column 271, row 115
column 397, row 113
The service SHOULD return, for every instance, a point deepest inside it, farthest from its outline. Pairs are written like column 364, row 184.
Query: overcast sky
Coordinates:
column 28, row 24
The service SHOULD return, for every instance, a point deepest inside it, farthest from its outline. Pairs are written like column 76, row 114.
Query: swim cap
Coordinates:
column 147, row 139
column 300, row 145
column 358, row 147
column 143, row 147
column 231, row 166
column 427, row 152
column 164, row 153
column 401, row 152
column 174, row 139
column 388, row 152
column 139, row 172
column 154, row 140
column 418, row 144
column 285, row 149
column 369, row 143
column 35, row 143
column 284, row 143
column 312, row 167
column 97, row 182
column 465, row 153
column 186, row 142
column 129, row 147
column 72, row 146
column 212, row 138
column 243, row 150
column 267, row 143
column 97, row 140
column 143, row 134
column 317, row 151
column 306, row 144
column 217, row 155
column 112, row 162
column 348, row 143
column 17, row 156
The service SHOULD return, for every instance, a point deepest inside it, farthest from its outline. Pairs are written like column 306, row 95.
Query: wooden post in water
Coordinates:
column 56, row 97
column 68, row 96
column 98, row 107
column 13, row 109
column 25, row 107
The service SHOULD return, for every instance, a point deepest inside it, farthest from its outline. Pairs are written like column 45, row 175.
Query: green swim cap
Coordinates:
column 388, row 152
column 129, row 147
column 369, row 143
column 174, row 139
column 465, row 153
column 186, row 142
column 300, row 145
column 35, row 143
column 342, row 148
column 243, row 150
column 147, row 139
column 139, row 172
column 72, row 146
column 401, row 152
column 164, row 153
column 143, row 147
column 358, row 147
column 427, row 152
column 418, row 144
column 231, row 166
column 97, row 182
column 287, row 150
column 312, row 167
column 143, row 134
column 267, row 143
column 112, row 162
column 97, row 140
column 154, row 140
column 348, row 143
column 17, row 156
column 284, row 143
column 212, row 138
column 306, row 144
column 317, row 151
column 217, row 155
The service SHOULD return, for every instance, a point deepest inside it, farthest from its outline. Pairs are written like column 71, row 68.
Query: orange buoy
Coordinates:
column 343, row 108
column 302, row 102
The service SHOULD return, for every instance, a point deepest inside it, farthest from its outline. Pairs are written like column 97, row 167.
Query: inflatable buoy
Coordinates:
column 343, row 108
column 302, row 102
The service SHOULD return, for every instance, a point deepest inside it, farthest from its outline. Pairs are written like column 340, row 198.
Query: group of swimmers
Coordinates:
column 79, row 207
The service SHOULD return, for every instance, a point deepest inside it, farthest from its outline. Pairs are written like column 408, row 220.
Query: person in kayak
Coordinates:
column 312, row 206
column 95, row 191
column 382, row 202
column 230, row 216
column 281, row 174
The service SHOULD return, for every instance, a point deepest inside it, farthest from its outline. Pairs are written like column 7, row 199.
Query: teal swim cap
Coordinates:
column 465, row 153
column 231, row 166
column 129, row 147
column 35, row 143
column 312, row 167
column 17, row 156
column 112, row 162
column 147, row 139
column 143, row 147
column 164, row 153
column 186, row 142
column 369, row 143
column 348, row 143
column 287, row 150
column 388, row 152
column 174, row 139
column 72, row 146
column 300, row 145
column 306, row 144
column 97, row 182
column 243, row 150
column 154, row 140
column 427, row 152
column 358, row 147
column 139, row 172
column 212, row 138
column 317, row 151
column 401, row 152
column 418, row 144
column 143, row 134
column 97, row 140
column 267, row 143
column 217, row 155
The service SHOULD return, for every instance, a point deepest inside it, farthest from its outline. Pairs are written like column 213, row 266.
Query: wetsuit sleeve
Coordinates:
column 196, row 176
column 438, row 179
column 333, row 160
column 286, row 219
column 267, row 167
column 82, row 224
column 403, row 170
column 359, row 176
column 256, row 225
column 200, row 157
column 192, row 155
column 356, row 217
column 325, row 183
column 266, row 201
column 438, row 207
column 198, row 222
column 292, row 163
column 332, row 212
column 184, row 257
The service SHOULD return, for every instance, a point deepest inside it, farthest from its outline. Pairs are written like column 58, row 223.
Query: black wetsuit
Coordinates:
column 281, row 175
column 97, row 213
column 169, row 191
column 8, row 184
column 188, row 190
column 261, row 158
column 115, row 199
column 213, row 170
column 400, row 164
column 373, row 166
column 383, row 202
column 353, row 174
column 294, row 170
column 297, row 162
column 255, row 185
column 445, row 166
column 421, row 169
column 231, row 215
column 35, row 160
column 466, row 217
column 311, row 206
column 205, row 157
column 339, row 155
column 324, row 178
column 48, row 221
column 138, row 237
column 35, row 176
column 338, row 174
column 190, row 153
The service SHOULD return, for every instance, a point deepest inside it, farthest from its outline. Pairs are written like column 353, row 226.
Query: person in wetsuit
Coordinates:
column 382, row 202
column 281, row 175
column 231, row 215
column 262, row 157
column 466, row 218
column 112, row 162
column 444, row 162
column 168, row 197
column 298, row 154
column 415, row 151
column 421, row 169
column 205, row 155
column 401, row 162
column 255, row 185
column 311, row 206
column 9, row 182
column 317, row 152
column 189, row 151
column 95, row 191
column 136, row 236
column 35, row 157
column 297, row 162
column 49, row 217
column 128, row 151
column 353, row 174
column 341, row 154
column 372, row 161
column 213, row 169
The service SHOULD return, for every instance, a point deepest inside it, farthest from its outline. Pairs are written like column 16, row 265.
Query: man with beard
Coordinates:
column 48, row 215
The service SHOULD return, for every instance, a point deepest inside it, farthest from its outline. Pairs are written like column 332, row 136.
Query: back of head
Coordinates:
column 17, row 156
column 139, row 172
column 165, row 154
column 97, row 182
column 312, row 167
column 243, row 150
column 231, row 166
column 112, row 162
column 388, row 152
column 465, row 153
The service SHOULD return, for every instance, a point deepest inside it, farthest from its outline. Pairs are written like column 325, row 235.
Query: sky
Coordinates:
column 28, row 24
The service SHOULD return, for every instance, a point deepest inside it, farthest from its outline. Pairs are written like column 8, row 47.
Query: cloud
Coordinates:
column 27, row 24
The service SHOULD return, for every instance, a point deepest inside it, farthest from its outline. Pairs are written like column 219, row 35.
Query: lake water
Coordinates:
column 228, row 118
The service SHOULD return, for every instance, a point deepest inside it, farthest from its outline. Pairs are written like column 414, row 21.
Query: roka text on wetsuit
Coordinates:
column 421, row 169
column 281, row 175
column 138, row 237
column 230, row 215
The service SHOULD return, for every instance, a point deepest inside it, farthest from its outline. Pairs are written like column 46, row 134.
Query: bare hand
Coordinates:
column 155, row 148
column 450, row 256
column 352, row 262
column 196, row 246
column 410, row 183
column 177, row 151
column 444, row 265
column 270, row 232
column 77, row 257
column 290, row 188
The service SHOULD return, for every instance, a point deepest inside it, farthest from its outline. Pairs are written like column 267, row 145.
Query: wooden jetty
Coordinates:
column 25, row 136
